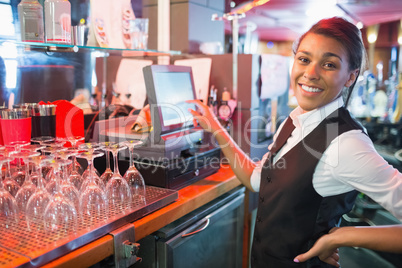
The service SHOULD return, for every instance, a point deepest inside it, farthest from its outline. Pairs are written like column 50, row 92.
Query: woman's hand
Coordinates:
column 205, row 118
column 324, row 249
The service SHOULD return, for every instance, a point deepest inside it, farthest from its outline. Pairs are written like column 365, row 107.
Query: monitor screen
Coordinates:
column 172, row 90
column 168, row 89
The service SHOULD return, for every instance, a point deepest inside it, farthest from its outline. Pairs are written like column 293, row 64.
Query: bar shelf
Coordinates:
column 48, row 47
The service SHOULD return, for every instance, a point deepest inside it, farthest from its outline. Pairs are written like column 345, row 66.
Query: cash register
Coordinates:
column 175, row 153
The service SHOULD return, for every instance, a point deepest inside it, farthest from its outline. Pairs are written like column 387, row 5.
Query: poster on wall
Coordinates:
column 274, row 76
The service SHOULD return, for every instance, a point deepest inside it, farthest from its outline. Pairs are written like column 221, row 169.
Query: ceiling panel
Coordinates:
column 287, row 19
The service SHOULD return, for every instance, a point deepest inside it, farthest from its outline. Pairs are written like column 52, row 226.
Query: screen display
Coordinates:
column 173, row 89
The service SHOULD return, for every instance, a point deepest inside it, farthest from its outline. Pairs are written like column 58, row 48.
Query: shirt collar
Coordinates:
column 312, row 118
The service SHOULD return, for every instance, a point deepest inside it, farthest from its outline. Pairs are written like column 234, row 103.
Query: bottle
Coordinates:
column 58, row 21
column 225, row 94
column 127, row 16
column 211, row 98
column 224, row 111
column 30, row 14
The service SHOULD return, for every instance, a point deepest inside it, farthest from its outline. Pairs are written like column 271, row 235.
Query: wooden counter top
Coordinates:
column 190, row 198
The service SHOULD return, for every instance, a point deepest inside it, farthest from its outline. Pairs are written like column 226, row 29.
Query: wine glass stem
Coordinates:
column 8, row 171
column 107, row 160
column 1, row 179
column 131, row 156
column 73, row 144
column 116, row 163
column 73, row 164
column 57, row 178
column 64, row 173
column 27, row 177
column 40, row 182
column 91, row 169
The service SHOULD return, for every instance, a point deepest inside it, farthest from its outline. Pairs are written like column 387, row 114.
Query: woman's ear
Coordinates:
column 352, row 77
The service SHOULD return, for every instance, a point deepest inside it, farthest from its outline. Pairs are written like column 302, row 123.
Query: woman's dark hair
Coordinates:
column 348, row 35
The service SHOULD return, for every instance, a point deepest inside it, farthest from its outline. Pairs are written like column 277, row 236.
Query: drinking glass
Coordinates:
column 58, row 142
column 42, row 139
column 8, row 205
column 66, row 187
column 6, row 151
column 73, row 176
column 31, row 168
column 10, row 184
column 37, row 203
column 133, row 176
column 28, row 188
column 51, row 176
column 93, row 202
column 90, row 147
column 108, row 173
column 117, row 190
column 60, row 213
column 19, row 174
column 76, row 167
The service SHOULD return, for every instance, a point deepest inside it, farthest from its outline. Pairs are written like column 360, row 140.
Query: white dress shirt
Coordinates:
column 350, row 162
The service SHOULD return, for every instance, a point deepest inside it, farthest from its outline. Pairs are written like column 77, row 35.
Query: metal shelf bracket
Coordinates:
column 125, row 251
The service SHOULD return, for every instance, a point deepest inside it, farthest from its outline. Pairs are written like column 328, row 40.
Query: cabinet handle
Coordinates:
column 199, row 230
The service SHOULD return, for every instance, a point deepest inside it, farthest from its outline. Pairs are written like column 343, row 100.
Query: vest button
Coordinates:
column 262, row 199
column 269, row 179
column 259, row 219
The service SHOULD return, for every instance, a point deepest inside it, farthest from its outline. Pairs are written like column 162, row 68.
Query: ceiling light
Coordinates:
column 372, row 32
column 372, row 38
column 359, row 25
column 324, row 9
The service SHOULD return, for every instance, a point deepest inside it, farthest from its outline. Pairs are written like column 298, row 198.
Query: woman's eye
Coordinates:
column 329, row 65
column 304, row 60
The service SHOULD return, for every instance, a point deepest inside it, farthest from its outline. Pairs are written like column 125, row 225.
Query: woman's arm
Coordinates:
column 381, row 238
column 240, row 163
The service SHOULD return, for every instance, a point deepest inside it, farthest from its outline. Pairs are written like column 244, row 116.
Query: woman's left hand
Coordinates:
column 323, row 249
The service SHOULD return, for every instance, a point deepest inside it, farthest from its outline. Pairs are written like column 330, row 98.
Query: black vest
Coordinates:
column 291, row 215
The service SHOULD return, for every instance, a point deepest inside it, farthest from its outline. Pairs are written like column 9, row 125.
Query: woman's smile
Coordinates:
column 310, row 89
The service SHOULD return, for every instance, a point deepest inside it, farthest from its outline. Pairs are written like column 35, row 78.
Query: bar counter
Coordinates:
column 189, row 199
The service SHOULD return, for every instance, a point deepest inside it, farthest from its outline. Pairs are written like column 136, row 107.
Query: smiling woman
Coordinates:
column 327, row 60
column 320, row 158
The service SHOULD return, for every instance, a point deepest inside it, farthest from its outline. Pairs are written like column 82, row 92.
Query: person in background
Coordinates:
column 380, row 238
column 320, row 158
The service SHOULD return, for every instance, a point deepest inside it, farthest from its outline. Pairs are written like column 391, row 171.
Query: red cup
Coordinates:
column 16, row 130
column 15, row 125
column 1, row 136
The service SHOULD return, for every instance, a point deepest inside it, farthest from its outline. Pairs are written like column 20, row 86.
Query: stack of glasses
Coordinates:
column 44, row 186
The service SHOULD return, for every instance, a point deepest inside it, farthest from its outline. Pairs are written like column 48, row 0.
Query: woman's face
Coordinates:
column 320, row 71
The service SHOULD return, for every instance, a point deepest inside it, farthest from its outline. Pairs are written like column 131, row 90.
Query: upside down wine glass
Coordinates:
column 8, row 205
column 60, row 214
column 108, row 173
column 117, row 190
column 76, row 167
column 37, row 203
column 28, row 188
column 90, row 147
column 19, row 174
column 93, row 202
column 10, row 184
column 66, row 187
column 133, row 176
